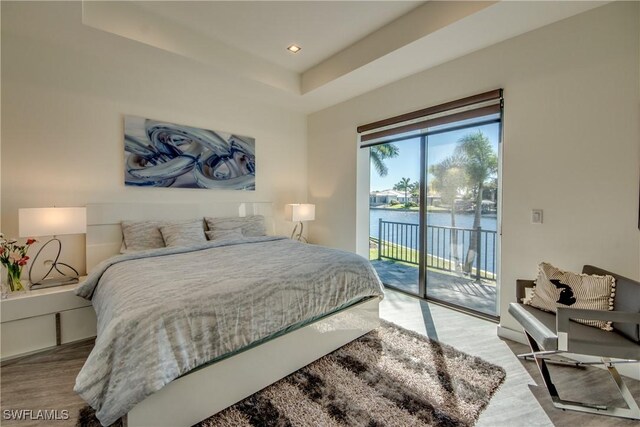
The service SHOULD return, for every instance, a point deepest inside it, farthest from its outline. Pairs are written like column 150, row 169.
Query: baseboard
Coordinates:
column 630, row 370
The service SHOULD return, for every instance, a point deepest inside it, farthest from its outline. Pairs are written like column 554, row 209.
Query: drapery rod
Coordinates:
column 470, row 100
column 431, row 133
column 451, row 118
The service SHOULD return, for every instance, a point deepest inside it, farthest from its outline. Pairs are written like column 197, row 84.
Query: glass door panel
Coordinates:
column 461, row 216
column 394, row 213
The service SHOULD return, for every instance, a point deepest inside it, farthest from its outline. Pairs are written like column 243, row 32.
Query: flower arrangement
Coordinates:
column 14, row 257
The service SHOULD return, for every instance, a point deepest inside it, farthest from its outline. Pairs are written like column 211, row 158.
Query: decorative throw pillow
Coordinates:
column 251, row 226
column 183, row 234
column 142, row 235
column 233, row 234
column 556, row 288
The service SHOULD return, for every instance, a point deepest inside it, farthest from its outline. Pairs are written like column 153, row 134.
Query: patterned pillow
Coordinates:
column 233, row 234
column 251, row 226
column 183, row 234
column 142, row 235
column 556, row 288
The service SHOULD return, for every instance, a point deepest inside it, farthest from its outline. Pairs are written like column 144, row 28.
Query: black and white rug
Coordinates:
column 389, row 377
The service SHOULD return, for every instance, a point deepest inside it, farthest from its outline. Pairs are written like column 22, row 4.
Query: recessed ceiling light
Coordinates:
column 294, row 48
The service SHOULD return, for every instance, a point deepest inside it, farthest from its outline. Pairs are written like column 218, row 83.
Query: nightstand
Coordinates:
column 37, row 320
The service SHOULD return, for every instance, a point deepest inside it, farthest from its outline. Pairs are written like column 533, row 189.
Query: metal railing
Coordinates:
column 448, row 248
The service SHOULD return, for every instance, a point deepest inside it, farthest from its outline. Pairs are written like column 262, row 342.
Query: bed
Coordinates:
column 184, row 332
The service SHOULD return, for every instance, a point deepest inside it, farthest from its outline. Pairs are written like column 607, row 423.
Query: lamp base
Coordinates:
column 297, row 235
column 50, row 283
column 46, row 282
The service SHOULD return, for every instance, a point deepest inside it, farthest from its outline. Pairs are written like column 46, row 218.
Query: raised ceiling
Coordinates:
column 265, row 28
column 348, row 48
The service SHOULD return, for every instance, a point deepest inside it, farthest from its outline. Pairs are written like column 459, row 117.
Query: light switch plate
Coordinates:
column 536, row 216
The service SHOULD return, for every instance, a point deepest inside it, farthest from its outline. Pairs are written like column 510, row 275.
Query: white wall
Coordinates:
column 571, row 131
column 65, row 89
column 571, row 145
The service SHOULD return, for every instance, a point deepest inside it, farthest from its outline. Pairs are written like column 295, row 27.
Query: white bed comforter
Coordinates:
column 164, row 312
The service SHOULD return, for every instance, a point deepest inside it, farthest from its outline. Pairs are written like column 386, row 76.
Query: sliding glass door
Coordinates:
column 434, row 209
column 461, row 215
column 394, row 213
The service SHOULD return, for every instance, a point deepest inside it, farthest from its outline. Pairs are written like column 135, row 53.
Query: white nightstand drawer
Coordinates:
column 28, row 335
column 37, row 320
column 77, row 324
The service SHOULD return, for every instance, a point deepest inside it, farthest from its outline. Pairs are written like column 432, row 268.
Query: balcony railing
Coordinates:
column 448, row 248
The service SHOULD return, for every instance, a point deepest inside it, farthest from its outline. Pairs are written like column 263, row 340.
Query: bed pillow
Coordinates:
column 142, row 235
column 556, row 288
column 251, row 226
column 183, row 234
column 233, row 234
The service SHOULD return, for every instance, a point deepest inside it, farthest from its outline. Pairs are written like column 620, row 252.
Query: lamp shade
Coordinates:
column 51, row 221
column 300, row 212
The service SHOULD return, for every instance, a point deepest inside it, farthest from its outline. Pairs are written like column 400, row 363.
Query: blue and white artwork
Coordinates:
column 162, row 154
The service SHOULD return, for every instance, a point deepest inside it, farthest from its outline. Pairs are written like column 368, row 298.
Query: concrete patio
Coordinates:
column 450, row 287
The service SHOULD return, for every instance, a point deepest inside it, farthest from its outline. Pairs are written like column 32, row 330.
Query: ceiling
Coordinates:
column 266, row 28
column 348, row 47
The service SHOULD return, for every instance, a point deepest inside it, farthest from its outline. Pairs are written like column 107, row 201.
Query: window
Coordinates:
column 433, row 202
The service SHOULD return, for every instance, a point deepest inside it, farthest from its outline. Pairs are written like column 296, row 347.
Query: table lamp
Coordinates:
column 52, row 222
column 299, row 212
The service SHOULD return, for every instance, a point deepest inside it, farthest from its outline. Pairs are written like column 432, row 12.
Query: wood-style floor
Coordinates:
column 45, row 381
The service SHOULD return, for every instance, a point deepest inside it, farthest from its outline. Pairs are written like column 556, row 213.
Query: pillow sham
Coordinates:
column 142, row 235
column 556, row 288
column 251, row 226
column 233, row 234
column 183, row 234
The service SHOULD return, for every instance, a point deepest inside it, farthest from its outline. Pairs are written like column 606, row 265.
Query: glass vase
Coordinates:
column 12, row 281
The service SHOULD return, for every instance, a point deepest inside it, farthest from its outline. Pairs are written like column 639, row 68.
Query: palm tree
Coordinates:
column 480, row 163
column 379, row 153
column 404, row 185
column 449, row 178
column 415, row 190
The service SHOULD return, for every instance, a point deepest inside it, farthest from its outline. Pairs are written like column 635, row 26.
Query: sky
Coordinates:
column 439, row 147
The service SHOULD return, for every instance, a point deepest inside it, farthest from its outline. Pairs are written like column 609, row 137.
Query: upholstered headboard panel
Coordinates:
column 104, row 234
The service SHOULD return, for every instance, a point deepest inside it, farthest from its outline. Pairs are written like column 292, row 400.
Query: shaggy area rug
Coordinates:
column 388, row 377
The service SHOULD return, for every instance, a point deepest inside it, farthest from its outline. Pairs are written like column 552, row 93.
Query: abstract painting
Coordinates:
column 162, row 154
